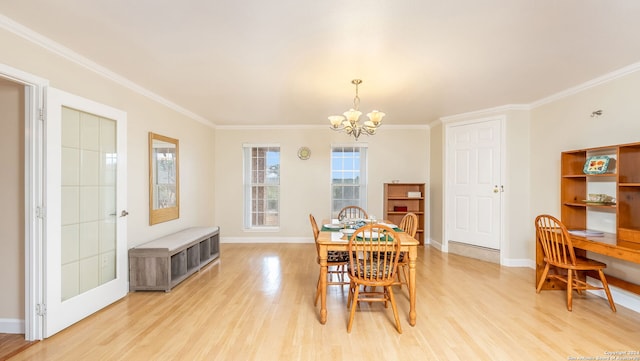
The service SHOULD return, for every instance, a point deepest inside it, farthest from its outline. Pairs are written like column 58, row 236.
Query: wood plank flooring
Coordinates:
column 257, row 304
column 11, row 344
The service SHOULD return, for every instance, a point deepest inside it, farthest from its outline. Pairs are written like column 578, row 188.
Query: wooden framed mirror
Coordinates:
column 164, row 179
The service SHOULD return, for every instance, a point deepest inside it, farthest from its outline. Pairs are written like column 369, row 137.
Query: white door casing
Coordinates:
column 33, row 105
column 474, row 182
column 63, row 310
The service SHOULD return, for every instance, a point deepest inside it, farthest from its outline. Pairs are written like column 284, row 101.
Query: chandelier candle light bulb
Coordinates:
column 349, row 122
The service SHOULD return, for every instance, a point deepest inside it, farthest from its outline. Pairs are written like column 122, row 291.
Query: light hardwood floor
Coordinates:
column 257, row 304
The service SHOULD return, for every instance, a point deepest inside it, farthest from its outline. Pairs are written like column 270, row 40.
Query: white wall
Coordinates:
column 143, row 115
column 12, row 196
column 393, row 153
column 566, row 124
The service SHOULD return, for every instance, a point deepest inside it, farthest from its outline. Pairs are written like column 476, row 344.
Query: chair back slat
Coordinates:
column 373, row 254
column 316, row 231
column 554, row 240
column 409, row 224
column 352, row 212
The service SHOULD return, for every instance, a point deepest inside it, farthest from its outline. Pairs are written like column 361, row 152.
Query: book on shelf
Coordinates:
column 586, row 233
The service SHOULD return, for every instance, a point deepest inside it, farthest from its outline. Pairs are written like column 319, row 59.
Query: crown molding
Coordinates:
column 589, row 84
column 60, row 50
column 482, row 113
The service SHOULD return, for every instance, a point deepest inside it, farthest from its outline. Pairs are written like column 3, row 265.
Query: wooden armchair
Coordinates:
column 352, row 212
column 560, row 255
column 373, row 253
column 336, row 263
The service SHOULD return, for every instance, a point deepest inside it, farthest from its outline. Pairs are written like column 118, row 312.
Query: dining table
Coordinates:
column 330, row 239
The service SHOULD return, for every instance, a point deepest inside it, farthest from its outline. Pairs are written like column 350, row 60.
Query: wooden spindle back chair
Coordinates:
column 560, row 257
column 352, row 212
column 373, row 250
column 336, row 262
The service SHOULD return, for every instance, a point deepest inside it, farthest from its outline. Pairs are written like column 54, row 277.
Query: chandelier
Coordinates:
column 349, row 123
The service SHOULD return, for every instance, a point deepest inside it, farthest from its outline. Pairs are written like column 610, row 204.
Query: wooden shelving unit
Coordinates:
column 623, row 180
column 400, row 199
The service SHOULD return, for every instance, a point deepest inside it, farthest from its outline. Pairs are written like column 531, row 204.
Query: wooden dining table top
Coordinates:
column 336, row 237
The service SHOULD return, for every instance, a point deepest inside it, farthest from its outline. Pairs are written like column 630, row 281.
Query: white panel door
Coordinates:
column 85, row 246
column 474, row 175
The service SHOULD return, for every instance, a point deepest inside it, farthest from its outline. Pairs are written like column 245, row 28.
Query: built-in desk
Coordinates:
column 606, row 245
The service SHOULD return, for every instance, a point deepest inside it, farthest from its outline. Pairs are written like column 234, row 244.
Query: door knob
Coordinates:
column 124, row 213
column 495, row 189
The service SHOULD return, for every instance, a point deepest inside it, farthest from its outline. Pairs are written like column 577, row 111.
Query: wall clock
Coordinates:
column 304, row 153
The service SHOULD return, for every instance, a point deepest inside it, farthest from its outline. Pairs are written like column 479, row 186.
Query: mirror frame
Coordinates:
column 159, row 215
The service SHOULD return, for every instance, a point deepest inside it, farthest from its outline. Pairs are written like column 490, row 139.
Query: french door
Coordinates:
column 85, row 247
column 474, row 179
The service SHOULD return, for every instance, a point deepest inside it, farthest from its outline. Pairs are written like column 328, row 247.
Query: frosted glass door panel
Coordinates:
column 88, row 180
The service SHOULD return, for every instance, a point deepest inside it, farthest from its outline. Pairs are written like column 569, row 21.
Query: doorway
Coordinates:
column 21, row 315
column 12, row 222
column 474, row 188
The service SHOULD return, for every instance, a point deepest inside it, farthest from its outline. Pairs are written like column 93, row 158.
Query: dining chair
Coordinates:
column 352, row 212
column 373, row 253
column 560, row 257
column 409, row 224
column 336, row 262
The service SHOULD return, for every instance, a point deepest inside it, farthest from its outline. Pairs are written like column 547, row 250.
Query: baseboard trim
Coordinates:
column 266, row 240
column 621, row 297
column 11, row 325
column 519, row 262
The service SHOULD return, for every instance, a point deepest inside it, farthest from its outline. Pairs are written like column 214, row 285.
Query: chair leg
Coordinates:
column 315, row 303
column 575, row 275
column 569, row 289
column 544, row 276
column 605, row 285
column 354, row 304
column 392, row 299
column 350, row 296
column 405, row 271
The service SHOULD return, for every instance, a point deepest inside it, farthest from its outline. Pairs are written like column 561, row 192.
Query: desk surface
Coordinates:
column 606, row 245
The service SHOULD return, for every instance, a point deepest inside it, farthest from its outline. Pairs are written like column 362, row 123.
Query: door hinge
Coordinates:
column 40, row 212
column 41, row 114
column 41, row 309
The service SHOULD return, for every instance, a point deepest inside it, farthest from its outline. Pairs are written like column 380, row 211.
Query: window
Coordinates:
column 348, row 177
column 262, row 186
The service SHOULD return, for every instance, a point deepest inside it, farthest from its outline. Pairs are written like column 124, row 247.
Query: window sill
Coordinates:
column 262, row 229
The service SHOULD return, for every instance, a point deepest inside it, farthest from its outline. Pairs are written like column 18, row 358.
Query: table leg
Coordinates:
column 413, row 254
column 323, row 284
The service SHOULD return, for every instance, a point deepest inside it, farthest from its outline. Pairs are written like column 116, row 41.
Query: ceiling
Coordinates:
column 291, row 62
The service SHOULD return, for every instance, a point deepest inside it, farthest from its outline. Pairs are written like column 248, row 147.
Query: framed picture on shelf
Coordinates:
column 596, row 165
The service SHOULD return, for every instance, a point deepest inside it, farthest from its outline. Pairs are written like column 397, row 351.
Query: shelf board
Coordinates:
column 393, row 198
column 574, row 176
column 628, row 184
column 584, row 204
column 404, row 212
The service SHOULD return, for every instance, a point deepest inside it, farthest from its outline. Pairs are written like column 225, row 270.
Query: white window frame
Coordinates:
column 249, row 185
column 362, row 184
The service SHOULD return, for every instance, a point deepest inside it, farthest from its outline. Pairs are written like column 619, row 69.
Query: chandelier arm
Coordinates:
column 351, row 125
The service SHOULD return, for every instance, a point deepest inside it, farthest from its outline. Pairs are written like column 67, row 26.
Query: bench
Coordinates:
column 161, row 264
